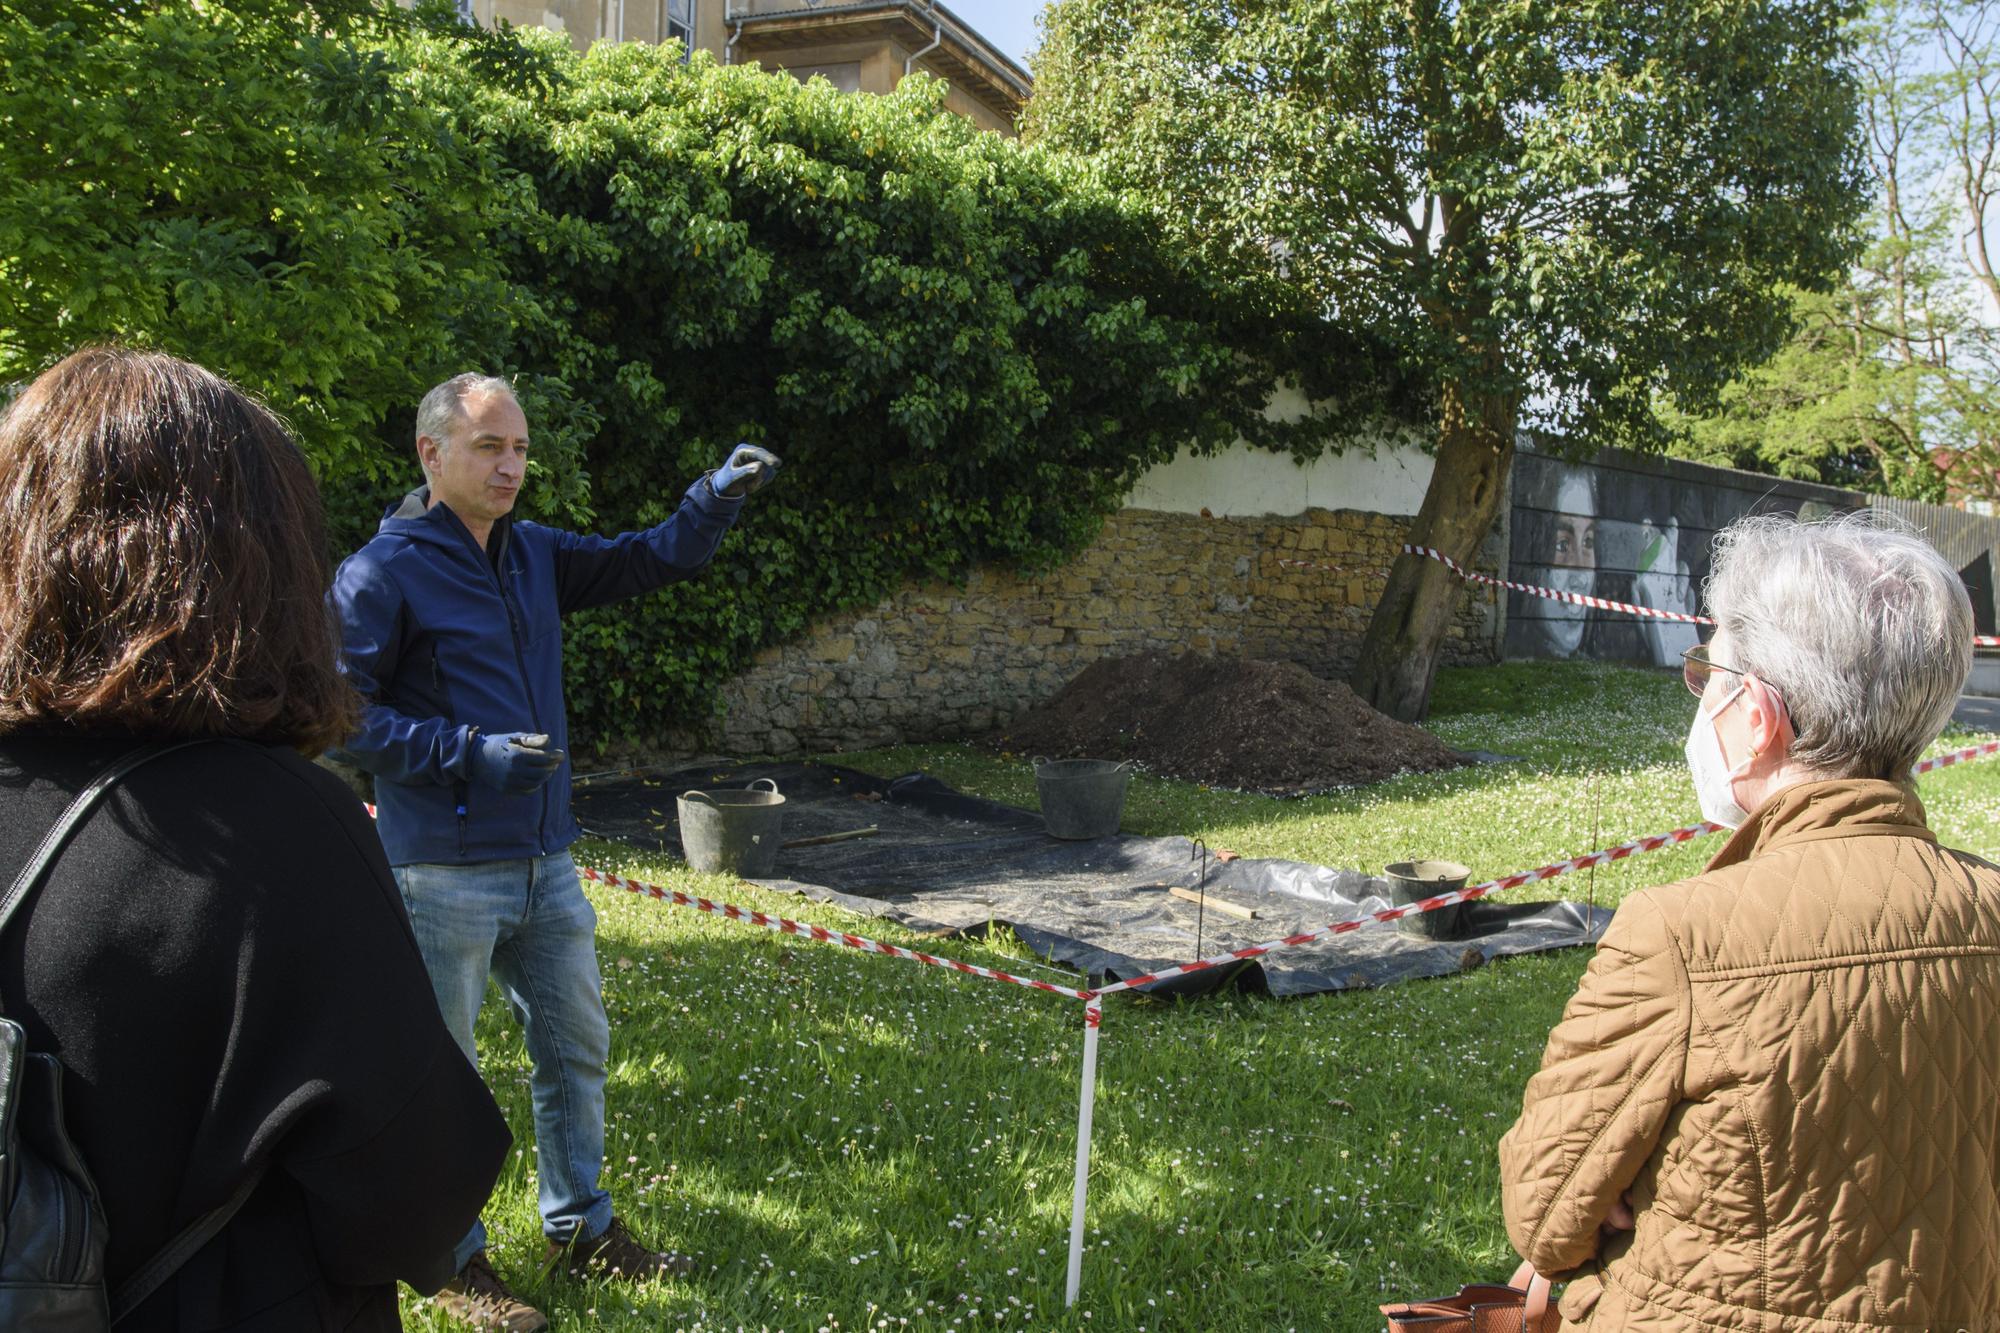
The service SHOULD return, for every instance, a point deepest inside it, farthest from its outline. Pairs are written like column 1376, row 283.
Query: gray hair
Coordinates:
column 1864, row 630
column 444, row 406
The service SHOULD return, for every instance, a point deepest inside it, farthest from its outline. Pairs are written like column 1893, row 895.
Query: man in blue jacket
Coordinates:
column 452, row 631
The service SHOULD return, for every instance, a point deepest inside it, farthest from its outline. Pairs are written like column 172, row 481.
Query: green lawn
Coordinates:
column 855, row 1142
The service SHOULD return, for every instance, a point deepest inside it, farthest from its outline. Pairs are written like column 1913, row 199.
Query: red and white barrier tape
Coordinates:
column 1955, row 757
column 1554, row 595
column 786, row 926
column 1676, row 837
column 1581, row 599
column 806, row 930
column 1434, row 904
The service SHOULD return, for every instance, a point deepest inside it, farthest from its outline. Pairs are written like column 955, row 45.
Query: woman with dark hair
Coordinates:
column 219, row 957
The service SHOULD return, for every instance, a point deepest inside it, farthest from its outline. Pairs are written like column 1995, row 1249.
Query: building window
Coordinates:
column 677, row 21
column 465, row 14
column 845, row 78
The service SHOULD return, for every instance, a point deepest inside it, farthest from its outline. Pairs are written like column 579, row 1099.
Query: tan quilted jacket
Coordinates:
column 1792, row 1062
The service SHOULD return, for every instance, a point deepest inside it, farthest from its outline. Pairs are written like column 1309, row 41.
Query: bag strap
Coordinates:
column 203, row 1229
column 179, row 1250
column 1461, row 1313
column 1536, row 1306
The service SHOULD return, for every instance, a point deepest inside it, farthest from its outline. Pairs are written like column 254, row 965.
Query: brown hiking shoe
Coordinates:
column 479, row 1298
column 616, row 1253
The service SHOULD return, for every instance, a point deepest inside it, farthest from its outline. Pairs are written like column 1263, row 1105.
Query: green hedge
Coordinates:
column 964, row 349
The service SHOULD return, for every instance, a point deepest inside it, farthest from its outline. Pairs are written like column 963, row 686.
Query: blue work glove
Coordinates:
column 748, row 470
column 513, row 761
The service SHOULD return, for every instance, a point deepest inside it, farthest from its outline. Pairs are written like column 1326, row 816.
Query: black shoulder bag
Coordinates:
column 52, row 1226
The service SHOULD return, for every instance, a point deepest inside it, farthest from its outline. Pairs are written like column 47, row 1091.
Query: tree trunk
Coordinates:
column 1475, row 450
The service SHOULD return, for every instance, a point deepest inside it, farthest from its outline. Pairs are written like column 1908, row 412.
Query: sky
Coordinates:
column 1008, row 24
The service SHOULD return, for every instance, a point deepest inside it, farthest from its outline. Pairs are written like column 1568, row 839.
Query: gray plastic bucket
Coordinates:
column 1412, row 881
column 733, row 832
column 1082, row 798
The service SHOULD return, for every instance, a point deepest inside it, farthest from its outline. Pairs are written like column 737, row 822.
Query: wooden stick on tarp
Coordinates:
column 823, row 838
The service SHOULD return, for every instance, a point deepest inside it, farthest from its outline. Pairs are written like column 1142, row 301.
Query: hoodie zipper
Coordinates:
column 499, row 582
column 459, row 790
column 521, row 663
column 528, row 687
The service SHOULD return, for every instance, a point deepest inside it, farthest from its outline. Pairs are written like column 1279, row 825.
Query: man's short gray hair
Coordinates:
column 1863, row 629
column 444, row 406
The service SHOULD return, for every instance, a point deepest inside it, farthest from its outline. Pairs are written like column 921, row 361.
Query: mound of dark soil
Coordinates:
column 1228, row 722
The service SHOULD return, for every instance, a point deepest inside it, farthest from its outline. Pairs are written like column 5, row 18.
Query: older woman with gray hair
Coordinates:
column 1774, row 1100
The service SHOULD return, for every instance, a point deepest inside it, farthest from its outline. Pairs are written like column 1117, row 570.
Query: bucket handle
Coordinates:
column 700, row 798
column 763, row 784
column 1041, row 760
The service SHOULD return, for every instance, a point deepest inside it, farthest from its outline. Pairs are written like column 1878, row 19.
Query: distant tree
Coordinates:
column 1892, row 383
column 1822, row 409
column 1552, row 211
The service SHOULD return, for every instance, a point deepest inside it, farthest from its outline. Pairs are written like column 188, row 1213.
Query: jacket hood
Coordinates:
column 415, row 518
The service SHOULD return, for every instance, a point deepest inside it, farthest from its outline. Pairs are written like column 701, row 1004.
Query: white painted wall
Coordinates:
column 1244, row 482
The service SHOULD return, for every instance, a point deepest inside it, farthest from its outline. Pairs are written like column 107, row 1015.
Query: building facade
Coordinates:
column 858, row 46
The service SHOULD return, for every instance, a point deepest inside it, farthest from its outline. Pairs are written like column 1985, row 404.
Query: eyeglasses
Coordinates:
column 1696, row 669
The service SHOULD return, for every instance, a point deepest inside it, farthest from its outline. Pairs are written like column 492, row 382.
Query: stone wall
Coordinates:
column 937, row 662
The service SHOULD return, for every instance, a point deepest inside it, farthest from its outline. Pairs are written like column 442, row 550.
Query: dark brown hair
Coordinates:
column 163, row 563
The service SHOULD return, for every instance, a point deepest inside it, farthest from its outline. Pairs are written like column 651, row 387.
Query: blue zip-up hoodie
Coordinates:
column 446, row 641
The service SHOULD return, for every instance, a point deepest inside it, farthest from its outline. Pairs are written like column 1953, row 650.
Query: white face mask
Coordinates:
column 1714, row 780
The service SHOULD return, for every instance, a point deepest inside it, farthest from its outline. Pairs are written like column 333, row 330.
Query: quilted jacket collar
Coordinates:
column 1834, row 808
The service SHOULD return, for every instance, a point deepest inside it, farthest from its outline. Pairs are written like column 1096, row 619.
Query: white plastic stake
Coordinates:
column 1093, row 1016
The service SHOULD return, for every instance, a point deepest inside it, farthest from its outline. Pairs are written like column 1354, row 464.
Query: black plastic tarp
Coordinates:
column 945, row 861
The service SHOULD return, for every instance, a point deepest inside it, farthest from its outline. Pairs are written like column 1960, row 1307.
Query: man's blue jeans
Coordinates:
column 528, row 923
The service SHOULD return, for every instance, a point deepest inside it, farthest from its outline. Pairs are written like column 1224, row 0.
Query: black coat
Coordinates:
column 225, row 967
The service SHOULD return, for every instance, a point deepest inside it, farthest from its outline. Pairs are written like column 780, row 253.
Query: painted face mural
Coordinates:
column 1571, row 566
column 1661, row 580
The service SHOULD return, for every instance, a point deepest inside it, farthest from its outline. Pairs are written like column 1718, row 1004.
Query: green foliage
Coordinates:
column 1891, row 383
column 250, row 187
column 1822, row 409
column 964, row 349
column 1557, row 206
